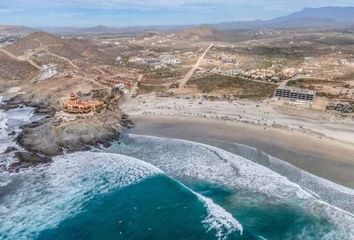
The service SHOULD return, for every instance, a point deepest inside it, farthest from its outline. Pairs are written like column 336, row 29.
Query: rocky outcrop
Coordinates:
column 53, row 136
column 27, row 159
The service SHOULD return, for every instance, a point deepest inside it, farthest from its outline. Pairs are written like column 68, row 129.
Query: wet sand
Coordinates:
column 321, row 156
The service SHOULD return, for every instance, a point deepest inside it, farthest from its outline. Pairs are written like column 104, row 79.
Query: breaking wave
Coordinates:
column 185, row 160
column 330, row 192
column 10, row 122
column 38, row 199
column 219, row 219
column 46, row 195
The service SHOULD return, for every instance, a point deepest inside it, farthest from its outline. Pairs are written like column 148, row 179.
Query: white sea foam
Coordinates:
column 219, row 219
column 11, row 121
column 320, row 188
column 3, row 132
column 3, row 121
column 46, row 195
column 41, row 197
column 184, row 159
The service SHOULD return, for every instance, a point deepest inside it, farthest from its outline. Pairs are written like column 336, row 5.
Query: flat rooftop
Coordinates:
column 297, row 90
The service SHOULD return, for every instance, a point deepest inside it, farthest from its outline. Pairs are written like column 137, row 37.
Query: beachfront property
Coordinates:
column 79, row 106
column 294, row 93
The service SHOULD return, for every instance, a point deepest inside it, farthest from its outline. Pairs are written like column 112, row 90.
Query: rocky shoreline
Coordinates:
column 51, row 136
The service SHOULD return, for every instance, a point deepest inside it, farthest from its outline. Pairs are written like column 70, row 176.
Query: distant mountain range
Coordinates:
column 308, row 17
column 326, row 17
column 109, row 30
column 16, row 30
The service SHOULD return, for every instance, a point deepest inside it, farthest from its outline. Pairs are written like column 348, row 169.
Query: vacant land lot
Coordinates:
column 232, row 85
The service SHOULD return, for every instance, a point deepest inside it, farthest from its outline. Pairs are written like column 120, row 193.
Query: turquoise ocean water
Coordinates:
column 153, row 188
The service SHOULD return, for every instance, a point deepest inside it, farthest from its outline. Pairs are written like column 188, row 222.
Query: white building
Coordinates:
column 48, row 71
column 293, row 93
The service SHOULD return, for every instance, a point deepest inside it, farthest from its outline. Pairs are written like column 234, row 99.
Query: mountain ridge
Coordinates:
column 325, row 17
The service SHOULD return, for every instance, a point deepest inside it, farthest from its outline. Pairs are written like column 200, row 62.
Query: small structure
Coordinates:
column 228, row 60
column 339, row 107
column 228, row 72
column 48, row 71
column 111, row 82
column 331, row 106
column 169, row 59
column 348, row 109
column 78, row 106
column 152, row 61
column 119, row 60
column 293, row 93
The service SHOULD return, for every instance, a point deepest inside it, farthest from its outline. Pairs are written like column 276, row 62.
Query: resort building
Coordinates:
column 111, row 82
column 78, row 106
column 293, row 93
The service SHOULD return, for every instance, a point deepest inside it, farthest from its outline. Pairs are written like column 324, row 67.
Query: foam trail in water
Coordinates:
column 219, row 219
column 40, row 198
column 10, row 121
column 3, row 131
column 48, row 194
column 331, row 192
column 189, row 160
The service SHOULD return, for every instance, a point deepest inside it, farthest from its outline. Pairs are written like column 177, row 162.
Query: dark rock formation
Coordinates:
column 126, row 121
column 52, row 136
column 27, row 159
column 10, row 149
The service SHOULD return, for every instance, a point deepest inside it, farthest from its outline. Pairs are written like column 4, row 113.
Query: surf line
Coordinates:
column 218, row 218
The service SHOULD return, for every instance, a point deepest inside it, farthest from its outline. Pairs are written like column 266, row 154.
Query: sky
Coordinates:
column 120, row 13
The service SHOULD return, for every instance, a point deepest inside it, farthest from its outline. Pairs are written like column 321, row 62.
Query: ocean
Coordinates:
column 145, row 187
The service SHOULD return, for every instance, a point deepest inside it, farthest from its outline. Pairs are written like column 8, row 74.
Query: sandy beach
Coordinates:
column 325, row 149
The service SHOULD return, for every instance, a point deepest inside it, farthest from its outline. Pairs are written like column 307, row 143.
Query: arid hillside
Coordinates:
column 12, row 69
column 202, row 32
column 16, row 30
column 33, row 41
column 69, row 48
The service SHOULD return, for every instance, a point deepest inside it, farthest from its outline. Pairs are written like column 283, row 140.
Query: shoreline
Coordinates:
column 321, row 156
column 38, row 141
column 262, row 114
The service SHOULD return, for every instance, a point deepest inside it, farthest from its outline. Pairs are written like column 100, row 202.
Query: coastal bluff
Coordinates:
column 57, row 133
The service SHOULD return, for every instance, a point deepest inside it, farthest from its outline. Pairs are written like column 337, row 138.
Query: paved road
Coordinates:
column 191, row 72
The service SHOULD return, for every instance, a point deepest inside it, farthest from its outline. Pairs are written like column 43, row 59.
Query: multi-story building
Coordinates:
column 294, row 93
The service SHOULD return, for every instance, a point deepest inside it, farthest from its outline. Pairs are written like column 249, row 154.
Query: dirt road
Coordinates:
column 191, row 72
column 20, row 58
